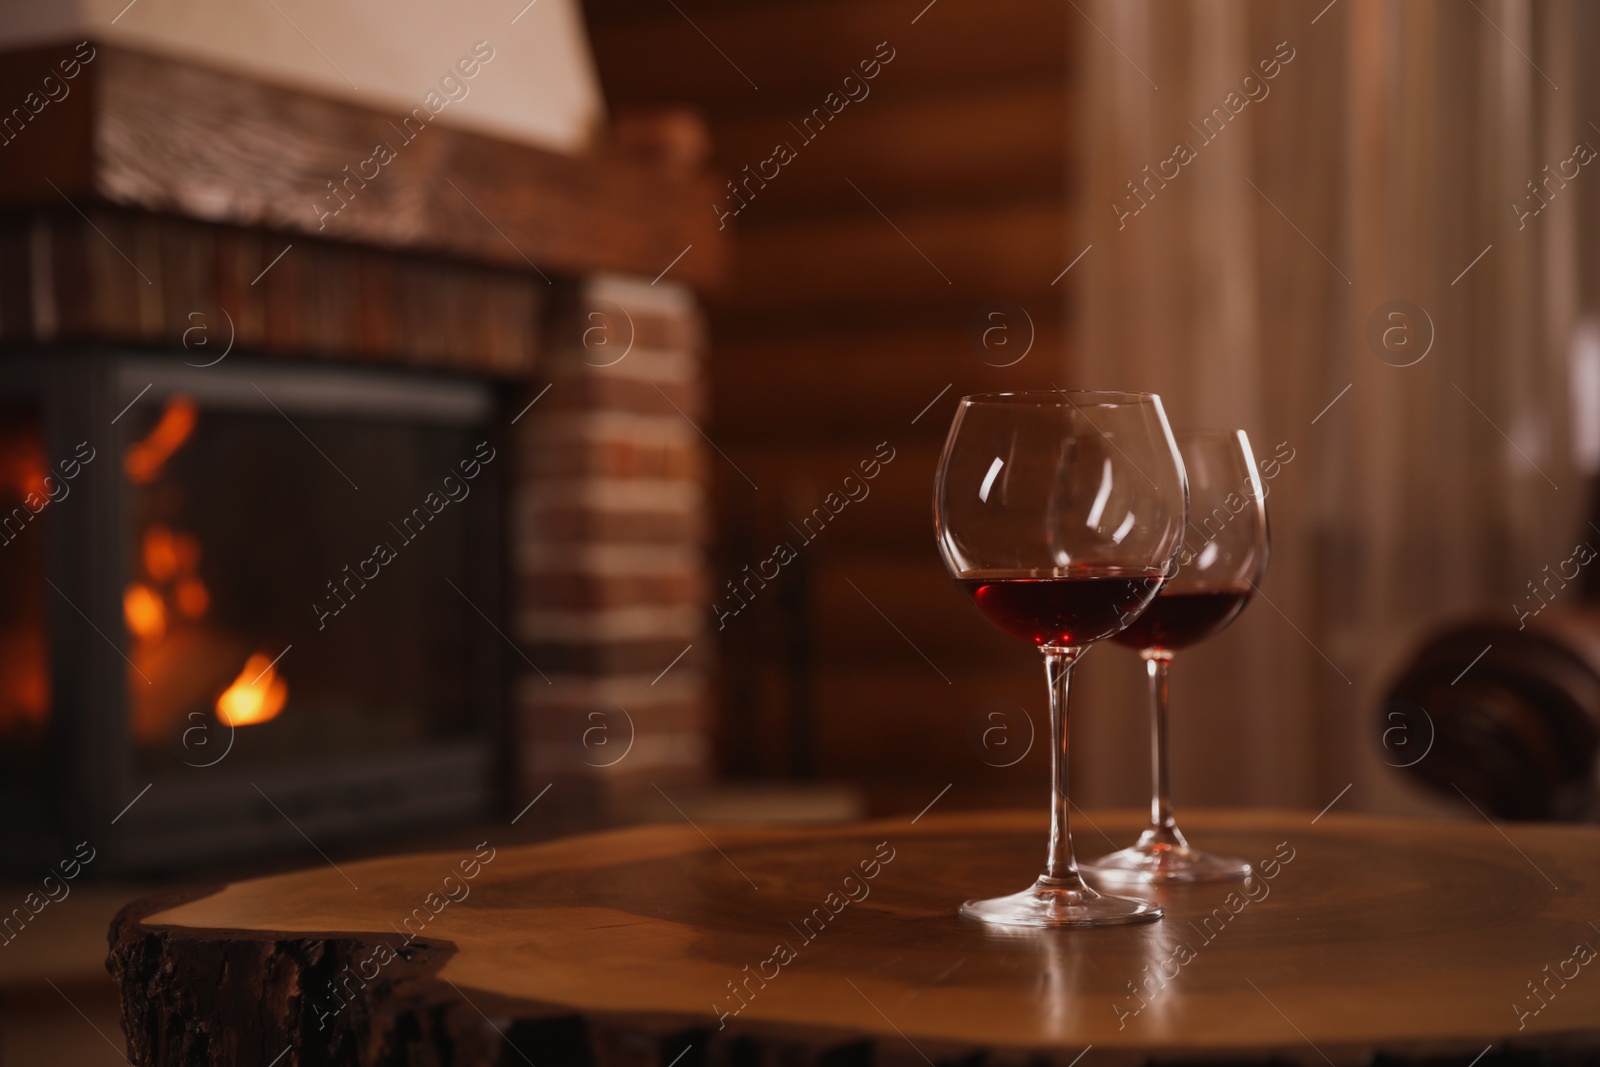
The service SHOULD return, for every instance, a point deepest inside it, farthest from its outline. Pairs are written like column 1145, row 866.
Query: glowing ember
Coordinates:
column 144, row 611
column 144, row 459
column 24, row 678
column 257, row 695
column 22, row 468
column 186, row 553
column 160, row 554
column 192, row 598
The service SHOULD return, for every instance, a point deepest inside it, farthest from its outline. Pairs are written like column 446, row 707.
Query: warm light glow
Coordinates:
column 24, row 678
column 171, row 557
column 257, row 695
column 144, row 459
column 192, row 598
column 186, row 553
column 145, row 613
column 24, row 472
column 160, row 554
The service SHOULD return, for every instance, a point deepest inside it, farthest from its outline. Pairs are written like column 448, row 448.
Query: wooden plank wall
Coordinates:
column 863, row 274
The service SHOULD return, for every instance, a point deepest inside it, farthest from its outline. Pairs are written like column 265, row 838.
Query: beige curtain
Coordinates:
column 1346, row 215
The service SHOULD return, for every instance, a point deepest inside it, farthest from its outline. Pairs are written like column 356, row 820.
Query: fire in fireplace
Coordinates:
column 255, row 600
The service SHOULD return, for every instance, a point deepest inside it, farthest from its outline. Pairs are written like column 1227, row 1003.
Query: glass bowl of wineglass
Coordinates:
column 1060, row 514
column 1223, row 559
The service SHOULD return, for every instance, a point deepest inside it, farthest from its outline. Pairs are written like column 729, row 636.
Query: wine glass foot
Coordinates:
column 1165, row 865
column 1047, row 904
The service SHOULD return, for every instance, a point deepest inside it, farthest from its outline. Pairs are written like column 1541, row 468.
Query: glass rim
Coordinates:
column 1073, row 397
column 1209, row 433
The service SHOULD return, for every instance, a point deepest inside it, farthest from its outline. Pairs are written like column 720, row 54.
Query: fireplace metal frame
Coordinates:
column 93, row 792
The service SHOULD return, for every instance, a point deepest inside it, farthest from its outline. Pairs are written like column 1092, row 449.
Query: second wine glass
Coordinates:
column 1223, row 559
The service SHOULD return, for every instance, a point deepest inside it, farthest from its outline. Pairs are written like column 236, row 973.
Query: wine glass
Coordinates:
column 1060, row 514
column 1224, row 556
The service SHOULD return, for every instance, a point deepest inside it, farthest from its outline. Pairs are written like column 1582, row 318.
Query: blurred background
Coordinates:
column 644, row 320
column 1364, row 262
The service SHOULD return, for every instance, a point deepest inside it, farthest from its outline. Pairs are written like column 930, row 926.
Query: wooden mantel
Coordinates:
column 169, row 136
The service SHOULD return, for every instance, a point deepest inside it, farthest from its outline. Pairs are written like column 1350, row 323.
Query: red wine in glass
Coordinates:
column 1066, row 610
column 1060, row 514
column 1224, row 556
column 1183, row 615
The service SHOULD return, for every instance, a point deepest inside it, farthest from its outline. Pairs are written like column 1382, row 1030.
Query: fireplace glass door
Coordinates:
column 264, row 607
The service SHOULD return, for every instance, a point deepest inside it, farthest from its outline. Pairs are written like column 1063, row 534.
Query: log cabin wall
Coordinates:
column 901, row 175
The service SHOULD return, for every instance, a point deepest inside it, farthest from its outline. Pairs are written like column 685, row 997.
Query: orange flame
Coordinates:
column 144, row 611
column 173, row 558
column 257, row 695
column 144, row 459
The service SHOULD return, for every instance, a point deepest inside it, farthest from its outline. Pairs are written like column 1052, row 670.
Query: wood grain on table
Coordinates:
column 1359, row 935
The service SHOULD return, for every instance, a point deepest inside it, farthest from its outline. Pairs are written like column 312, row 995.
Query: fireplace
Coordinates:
column 361, row 523
column 264, row 590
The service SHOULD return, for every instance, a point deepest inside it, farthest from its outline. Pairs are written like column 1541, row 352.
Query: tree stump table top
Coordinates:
column 673, row 946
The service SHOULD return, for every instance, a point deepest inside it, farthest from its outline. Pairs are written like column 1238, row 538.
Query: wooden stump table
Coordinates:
column 1360, row 937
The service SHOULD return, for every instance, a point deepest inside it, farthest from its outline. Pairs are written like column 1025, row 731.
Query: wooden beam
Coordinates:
column 171, row 136
column 128, row 277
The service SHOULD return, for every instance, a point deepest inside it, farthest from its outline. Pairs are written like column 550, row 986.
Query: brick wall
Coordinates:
column 608, row 554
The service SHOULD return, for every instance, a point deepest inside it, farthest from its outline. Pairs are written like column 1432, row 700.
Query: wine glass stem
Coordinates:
column 1156, row 664
column 1060, row 867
